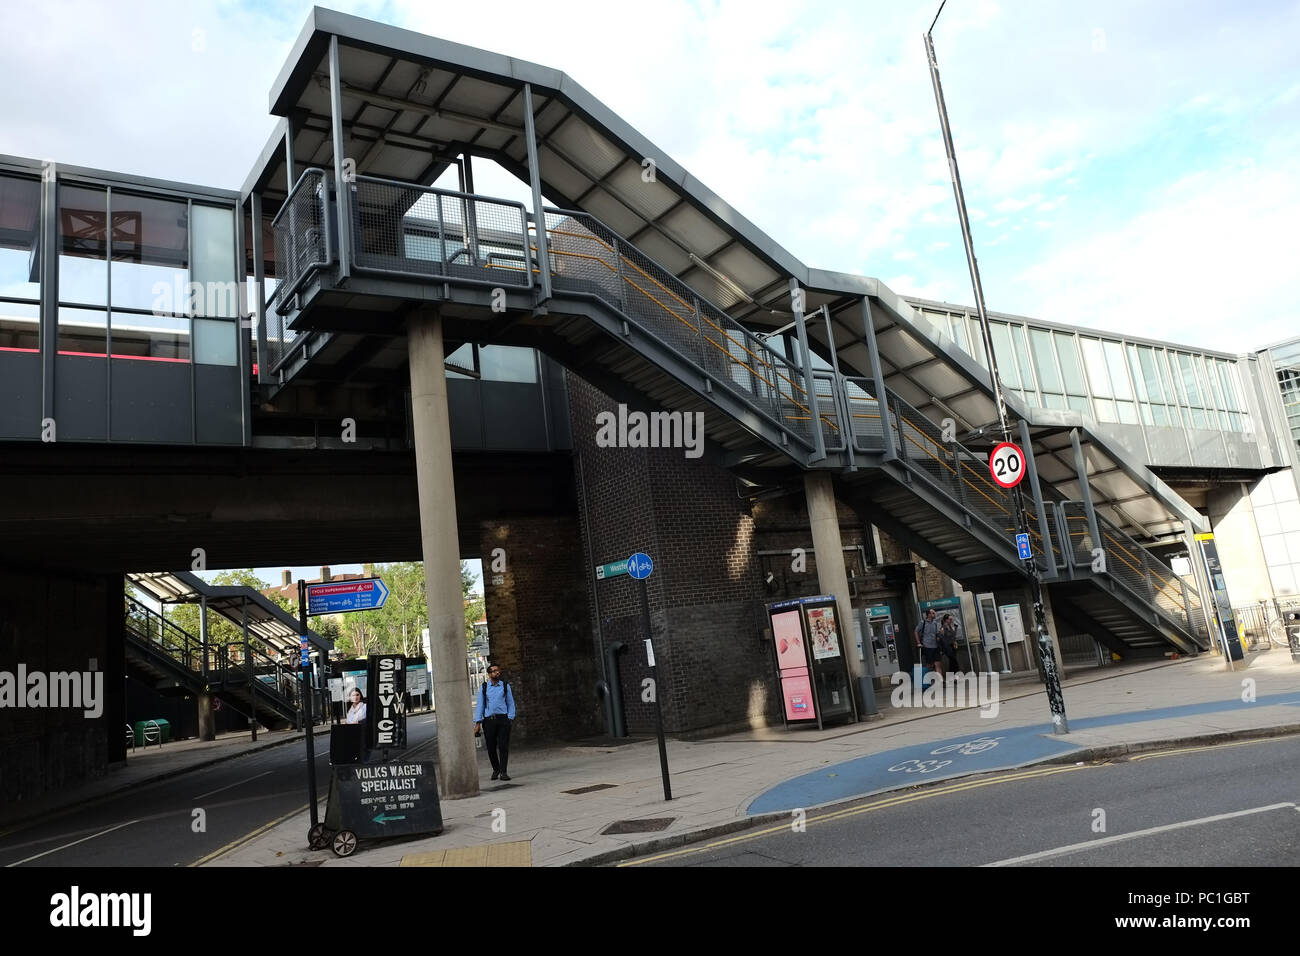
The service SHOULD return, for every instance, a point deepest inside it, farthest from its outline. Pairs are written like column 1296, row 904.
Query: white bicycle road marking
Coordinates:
column 919, row 766
column 970, row 747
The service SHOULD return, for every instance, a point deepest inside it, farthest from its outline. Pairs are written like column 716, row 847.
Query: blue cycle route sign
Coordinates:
column 640, row 565
column 336, row 597
column 1022, row 546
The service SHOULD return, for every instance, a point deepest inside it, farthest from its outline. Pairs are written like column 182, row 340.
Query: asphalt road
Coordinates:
column 1232, row 804
column 153, row 825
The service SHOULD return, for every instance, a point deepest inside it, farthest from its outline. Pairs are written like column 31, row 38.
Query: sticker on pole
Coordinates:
column 1007, row 464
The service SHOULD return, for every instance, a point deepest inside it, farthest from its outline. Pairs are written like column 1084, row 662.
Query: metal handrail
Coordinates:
column 290, row 282
column 680, row 303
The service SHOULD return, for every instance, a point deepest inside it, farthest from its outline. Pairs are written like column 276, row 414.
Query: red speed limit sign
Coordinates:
column 1007, row 464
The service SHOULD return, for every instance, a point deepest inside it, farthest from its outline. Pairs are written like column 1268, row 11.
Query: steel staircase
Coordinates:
column 630, row 327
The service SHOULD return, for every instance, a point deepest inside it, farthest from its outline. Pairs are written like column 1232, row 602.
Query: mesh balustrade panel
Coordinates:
column 588, row 257
column 961, row 474
column 416, row 230
column 864, row 414
column 301, row 246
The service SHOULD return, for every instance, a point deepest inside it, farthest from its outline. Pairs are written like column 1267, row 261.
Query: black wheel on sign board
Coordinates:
column 345, row 843
column 316, row 837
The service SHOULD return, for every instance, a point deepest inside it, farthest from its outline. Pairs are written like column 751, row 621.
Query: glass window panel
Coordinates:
column 20, row 205
column 1078, row 403
column 214, row 262
column 463, row 357
column 137, row 335
column 1148, row 374
column 1049, row 378
column 150, row 242
column 977, row 341
column 1187, row 375
column 1148, row 415
column 1118, row 374
column 1007, row 369
column 216, row 342
column 1051, row 400
column 1105, row 410
column 83, row 245
column 1166, row 365
column 1228, row 380
column 1022, row 357
column 1094, row 359
column 1160, row 415
column 83, row 331
column 20, row 325
column 1127, row 413
column 1071, row 370
column 958, row 326
column 507, row 363
column 1135, row 367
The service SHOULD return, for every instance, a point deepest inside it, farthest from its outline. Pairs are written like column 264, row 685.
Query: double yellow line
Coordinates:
column 884, row 804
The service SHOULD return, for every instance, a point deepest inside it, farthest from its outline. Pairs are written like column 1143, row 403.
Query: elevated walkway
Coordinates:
column 634, row 329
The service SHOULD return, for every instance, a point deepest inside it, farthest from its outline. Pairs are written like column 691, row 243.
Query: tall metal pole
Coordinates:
column 307, row 691
column 1051, row 676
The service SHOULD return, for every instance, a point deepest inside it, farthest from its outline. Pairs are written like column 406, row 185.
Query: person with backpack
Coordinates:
column 494, row 712
column 927, row 642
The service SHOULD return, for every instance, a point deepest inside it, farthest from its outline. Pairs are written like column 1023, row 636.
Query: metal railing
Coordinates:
column 304, row 243
column 1132, row 566
column 587, row 257
column 226, row 663
column 863, row 409
column 417, row 231
column 150, row 627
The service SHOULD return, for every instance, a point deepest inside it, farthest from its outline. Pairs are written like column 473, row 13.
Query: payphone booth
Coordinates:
column 811, row 668
column 879, row 648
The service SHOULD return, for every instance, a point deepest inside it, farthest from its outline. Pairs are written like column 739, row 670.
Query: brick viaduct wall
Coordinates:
column 714, row 668
column 56, row 623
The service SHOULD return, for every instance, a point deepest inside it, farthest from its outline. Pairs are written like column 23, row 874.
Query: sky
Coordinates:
column 1127, row 165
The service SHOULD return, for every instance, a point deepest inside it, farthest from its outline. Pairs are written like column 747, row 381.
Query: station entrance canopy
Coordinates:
column 411, row 105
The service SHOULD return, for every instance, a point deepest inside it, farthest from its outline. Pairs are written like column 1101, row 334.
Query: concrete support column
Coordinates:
column 207, row 720
column 829, row 550
column 458, row 763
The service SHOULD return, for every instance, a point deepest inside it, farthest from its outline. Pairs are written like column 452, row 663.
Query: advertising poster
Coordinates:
column 797, row 691
column 823, row 634
column 787, row 632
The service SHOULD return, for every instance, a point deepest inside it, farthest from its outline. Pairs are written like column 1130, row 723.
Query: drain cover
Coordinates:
column 593, row 788
column 652, row 825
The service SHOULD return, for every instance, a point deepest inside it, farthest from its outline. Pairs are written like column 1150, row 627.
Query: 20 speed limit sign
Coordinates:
column 1007, row 464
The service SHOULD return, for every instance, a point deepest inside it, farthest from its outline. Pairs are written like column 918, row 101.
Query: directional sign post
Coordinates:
column 339, row 597
column 1007, row 464
column 640, row 566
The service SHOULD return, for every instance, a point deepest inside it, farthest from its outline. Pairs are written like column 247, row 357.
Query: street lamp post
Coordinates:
column 1050, row 674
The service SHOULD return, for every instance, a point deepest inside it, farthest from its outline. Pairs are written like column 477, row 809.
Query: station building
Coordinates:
column 342, row 361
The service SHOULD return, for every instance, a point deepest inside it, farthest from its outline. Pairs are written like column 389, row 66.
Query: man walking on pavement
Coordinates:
column 494, row 711
column 927, row 639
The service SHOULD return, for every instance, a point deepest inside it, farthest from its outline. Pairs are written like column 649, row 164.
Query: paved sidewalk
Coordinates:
column 734, row 781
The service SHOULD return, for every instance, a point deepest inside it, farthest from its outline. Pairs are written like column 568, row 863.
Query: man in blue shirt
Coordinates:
column 494, row 710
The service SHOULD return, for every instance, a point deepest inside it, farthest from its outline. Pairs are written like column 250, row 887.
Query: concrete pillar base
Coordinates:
column 207, row 720
column 457, row 757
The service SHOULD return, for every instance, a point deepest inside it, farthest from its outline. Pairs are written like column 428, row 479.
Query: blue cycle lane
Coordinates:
column 973, row 752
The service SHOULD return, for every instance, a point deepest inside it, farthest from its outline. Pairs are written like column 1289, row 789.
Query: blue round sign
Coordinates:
column 640, row 565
